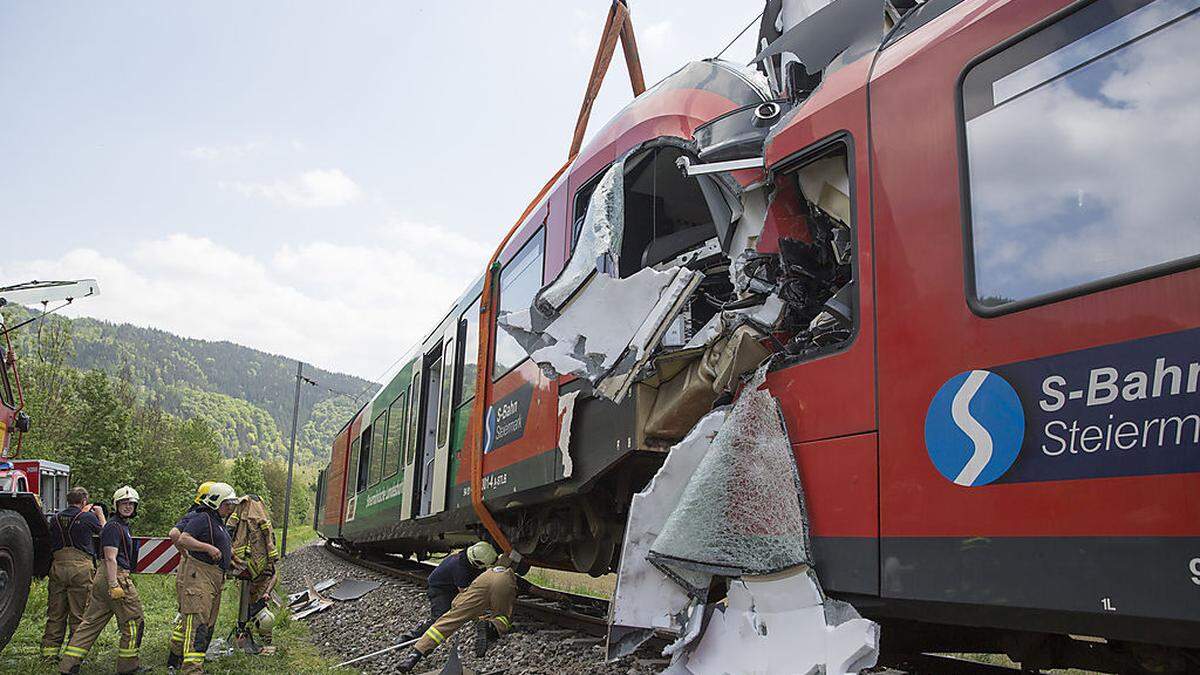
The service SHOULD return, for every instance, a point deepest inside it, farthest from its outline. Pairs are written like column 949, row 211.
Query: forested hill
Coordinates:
column 245, row 395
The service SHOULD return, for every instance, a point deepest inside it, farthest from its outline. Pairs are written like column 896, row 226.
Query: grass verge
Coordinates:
column 294, row 652
column 573, row 582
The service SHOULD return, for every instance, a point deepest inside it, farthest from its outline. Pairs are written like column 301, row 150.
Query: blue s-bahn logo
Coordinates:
column 974, row 428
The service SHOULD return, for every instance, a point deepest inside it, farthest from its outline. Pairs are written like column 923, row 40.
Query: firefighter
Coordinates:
column 489, row 598
column 200, row 492
column 451, row 576
column 113, row 592
column 71, row 532
column 198, row 586
column 254, row 554
column 173, row 535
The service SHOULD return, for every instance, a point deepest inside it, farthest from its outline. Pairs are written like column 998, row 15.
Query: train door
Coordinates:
column 827, row 392
column 1039, row 311
column 445, row 386
column 411, row 441
column 431, row 377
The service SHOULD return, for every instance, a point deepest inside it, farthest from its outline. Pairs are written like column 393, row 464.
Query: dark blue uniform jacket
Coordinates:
column 454, row 572
column 72, row 527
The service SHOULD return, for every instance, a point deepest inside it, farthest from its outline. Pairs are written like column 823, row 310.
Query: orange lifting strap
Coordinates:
column 618, row 26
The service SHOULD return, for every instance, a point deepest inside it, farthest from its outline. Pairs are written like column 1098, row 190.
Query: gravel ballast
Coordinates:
column 379, row 618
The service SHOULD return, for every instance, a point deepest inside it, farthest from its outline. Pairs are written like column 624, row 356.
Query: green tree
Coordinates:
column 247, row 476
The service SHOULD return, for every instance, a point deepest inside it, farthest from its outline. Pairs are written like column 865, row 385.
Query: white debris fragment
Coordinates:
column 641, row 602
column 777, row 624
column 566, row 415
column 609, row 324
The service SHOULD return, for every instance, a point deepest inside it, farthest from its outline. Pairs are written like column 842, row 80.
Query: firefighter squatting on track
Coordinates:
column 488, row 598
column 220, row 534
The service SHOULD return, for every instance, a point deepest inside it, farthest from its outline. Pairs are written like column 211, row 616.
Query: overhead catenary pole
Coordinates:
column 287, row 493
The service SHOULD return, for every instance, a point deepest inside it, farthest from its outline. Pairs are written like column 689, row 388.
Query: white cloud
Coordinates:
column 352, row 307
column 212, row 153
column 312, row 189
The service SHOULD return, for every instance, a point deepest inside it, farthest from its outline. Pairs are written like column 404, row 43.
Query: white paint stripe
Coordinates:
column 960, row 411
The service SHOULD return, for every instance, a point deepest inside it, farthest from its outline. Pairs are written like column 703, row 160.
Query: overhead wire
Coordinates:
column 740, row 34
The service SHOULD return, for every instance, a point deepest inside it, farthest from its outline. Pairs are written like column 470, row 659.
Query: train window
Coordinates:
column 468, row 354
column 379, row 431
column 364, row 460
column 520, row 280
column 665, row 212
column 447, row 389
column 1082, row 151
column 582, row 197
column 395, row 435
column 352, row 476
column 410, row 438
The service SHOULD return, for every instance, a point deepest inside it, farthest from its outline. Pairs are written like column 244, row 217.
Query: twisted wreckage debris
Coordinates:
column 686, row 279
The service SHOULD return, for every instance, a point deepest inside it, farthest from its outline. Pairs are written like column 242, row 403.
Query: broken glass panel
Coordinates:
column 743, row 510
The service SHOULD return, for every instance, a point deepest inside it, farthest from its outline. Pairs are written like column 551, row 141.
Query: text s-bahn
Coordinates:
column 1025, row 242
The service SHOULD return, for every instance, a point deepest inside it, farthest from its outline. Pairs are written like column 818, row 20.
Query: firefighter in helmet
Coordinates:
column 173, row 535
column 198, row 586
column 452, row 576
column 113, row 593
column 254, row 556
column 71, row 532
column 489, row 598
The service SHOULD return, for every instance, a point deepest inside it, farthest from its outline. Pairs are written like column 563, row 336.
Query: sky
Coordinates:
column 318, row 180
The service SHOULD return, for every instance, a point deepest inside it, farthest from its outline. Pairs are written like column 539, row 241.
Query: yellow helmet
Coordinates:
column 203, row 490
column 218, row 493
column 481, row 554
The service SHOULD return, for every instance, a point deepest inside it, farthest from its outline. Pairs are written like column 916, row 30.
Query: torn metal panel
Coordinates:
column 650, row 333
column 607, row 329
column 820, row 36
column 566, row 415
column 743, row 510
column 352, row 589
column 777, row 624
column 641, row 602
column 826, row 184
column 750, row 225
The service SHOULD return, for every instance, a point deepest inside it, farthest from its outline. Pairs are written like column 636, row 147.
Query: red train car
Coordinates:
column 1003, row 432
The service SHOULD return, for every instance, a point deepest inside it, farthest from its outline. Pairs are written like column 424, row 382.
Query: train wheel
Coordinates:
column 593, row 555
column 16, row 570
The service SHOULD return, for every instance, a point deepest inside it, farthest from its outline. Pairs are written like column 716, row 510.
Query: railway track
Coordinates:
column 588, row 615
column 569, row 610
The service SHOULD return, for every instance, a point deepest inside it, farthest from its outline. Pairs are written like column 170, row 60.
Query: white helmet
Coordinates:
column 481, row 555
column 218, row 493
column 126, row 493
column 264, row 620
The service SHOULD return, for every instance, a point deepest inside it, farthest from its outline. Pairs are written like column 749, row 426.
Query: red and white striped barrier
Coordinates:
column 156, row 555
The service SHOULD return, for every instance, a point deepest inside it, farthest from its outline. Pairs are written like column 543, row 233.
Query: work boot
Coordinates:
column 485, row 635
column 174, row 661
column 410, row 661
column 73, row 671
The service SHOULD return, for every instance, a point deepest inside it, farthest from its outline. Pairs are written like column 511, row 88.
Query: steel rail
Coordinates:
column 579, row 612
